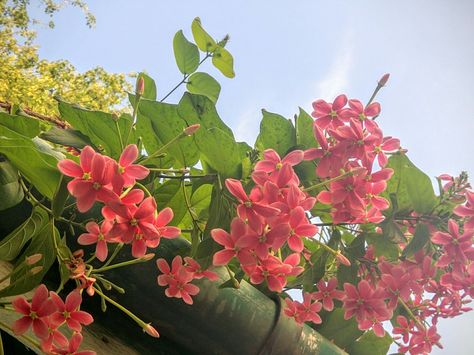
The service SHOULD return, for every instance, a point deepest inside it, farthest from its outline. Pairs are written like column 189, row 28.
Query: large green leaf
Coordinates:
column 371, row 344
column 68, row 137
column 276, row 132
column 215, row 140
column 22, row 280
column 198, row 206
column 204, row 84
column 411, row 187
column 24, row 125
column 419, row 240
column 304, row 130
column 11, row 245
column 338, row 330
column 10, row 189
column 203, row 40
column 150, row 86
column 223, row 60
column 165, row 124
column 186, row 53
column 99, row 126
column 37, row 166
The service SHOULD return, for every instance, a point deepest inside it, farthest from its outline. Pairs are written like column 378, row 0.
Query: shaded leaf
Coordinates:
column 204, row 84
column 338, row 330
column 11, row 245
column 419, row 240
column 371, row 344
column 223, row 60
column 276, row 132
column 10, row 189
column 203, row 40
column 68, row 137
column 24, row 125
column 186, row 54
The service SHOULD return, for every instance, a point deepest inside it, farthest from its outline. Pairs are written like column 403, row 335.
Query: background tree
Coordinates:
column 32, row 82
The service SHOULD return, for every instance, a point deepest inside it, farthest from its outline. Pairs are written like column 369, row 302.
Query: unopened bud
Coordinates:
column 33, row 259
column 151, row 331
column 147, row 257
column 35, row 270
column 140, row 87
column 342, row 259
column 383, row 80
column 189, row 131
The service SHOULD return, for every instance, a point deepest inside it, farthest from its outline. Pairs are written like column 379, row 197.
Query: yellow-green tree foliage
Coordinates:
column 27, row 80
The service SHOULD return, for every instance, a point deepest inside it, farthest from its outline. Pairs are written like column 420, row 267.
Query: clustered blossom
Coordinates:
column 46, row 313
column 350, row 142
column 178, row 277
column 271, row 216
column 129, row 217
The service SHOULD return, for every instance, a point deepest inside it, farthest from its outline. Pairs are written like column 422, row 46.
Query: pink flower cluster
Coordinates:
column 313, row 302
column 350, row 140
column 178, row 277
column 129, row 217
column 46, row 313
column 271, row 216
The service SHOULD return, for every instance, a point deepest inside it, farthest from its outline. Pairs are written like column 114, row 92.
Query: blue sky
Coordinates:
column 289, row 53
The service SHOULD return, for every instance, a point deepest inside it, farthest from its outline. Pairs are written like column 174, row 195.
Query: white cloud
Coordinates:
column 248, row 126
column 336, row 80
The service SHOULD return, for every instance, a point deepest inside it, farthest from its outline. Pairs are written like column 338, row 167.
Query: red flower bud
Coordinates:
column 191, row 129
column 151, row 331
column 383, row 80
column 140, row 88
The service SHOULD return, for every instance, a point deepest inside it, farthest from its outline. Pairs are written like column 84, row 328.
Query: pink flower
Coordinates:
column 198, row 273
column 467, row 210
column 54, row 337
column 405, row 328
column 423, row 340
column 68, row 311
column 73, row 347
column 455, row 245
column 132, row 221
column 97, row 235
column 327, row 293
column 91, row 178
column 177, row 278
column 34, row 314
column 328, row 114
column 236, row 243
column 250, row 208
column 127, row 172
column 300, row 228
column 364, row 302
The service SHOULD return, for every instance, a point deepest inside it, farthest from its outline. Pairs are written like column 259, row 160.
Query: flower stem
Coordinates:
column 114, row 254
column 125, row 263
column 337, row 178
column 410, row 313
column 141, row 323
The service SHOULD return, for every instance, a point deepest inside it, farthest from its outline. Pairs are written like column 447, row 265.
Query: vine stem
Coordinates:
column 410, row 313
column 143, row 259
column 186, row 76
column 140, row 322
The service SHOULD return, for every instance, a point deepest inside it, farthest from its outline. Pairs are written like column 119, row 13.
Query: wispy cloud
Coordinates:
column 248, row 125
column 336, row 80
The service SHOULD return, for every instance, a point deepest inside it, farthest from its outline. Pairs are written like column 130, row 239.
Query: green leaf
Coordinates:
column 419, row 240
column 60, row 197
column 11, row 245
column 99, row 126
column 371, row 344
column 186, row 54
column 68, row 137
column 383, row 246
column 150, row 87
column 22, row 280
column 165, row 124
column 10, row 189
column 198, row 206
column 64, row 254
column 204, row 84
column 38, row 167
column 24, row 125
column 411, row 187
column 203, row 40
column 338, row 330
column 223, row 60
column 214, row 139
column 165, row 193
column 276, row 132
column 304, row 130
